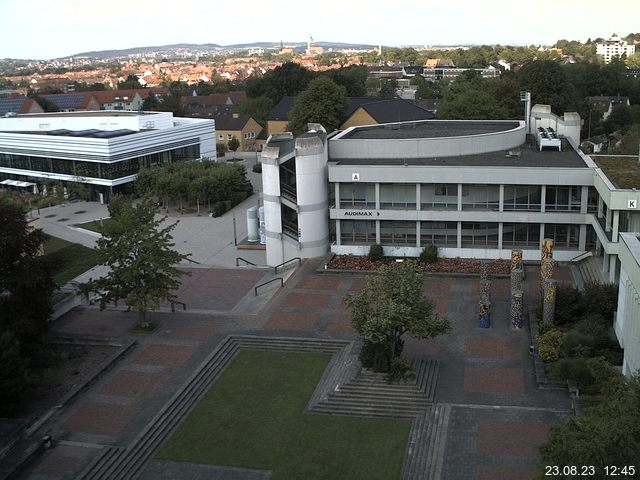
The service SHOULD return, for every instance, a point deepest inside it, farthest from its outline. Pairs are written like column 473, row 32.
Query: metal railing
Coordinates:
column 255, row 290
column 173, row 305
column 247, row 262
column 298, row 259
column 580, row 257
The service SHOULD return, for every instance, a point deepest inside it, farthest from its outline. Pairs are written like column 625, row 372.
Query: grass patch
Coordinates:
column 68, row 259
column 94, row 225
column 623, row 172
column 253, row 417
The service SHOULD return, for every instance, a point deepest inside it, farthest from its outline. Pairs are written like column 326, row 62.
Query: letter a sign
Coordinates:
column 355, row 177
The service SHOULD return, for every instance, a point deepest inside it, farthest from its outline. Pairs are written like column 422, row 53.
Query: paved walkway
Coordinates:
column 498, row 415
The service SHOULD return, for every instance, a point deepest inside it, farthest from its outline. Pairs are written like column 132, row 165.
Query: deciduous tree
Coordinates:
column 138, row 250
column 322, row 102
column 391, row 305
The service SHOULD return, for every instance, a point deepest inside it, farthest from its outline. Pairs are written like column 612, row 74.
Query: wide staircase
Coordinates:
column 118, row 463
column 590, row 270
column 369, row 394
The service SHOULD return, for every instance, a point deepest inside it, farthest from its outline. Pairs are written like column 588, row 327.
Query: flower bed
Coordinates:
column 443, row 265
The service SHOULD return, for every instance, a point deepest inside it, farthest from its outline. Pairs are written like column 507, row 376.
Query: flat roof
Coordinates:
column 624, row 172
column 429, row 129
column 90, row 113
column 524, row 156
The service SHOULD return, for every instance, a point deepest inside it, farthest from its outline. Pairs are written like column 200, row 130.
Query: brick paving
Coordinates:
column 292, row 321
column 141, row 385
column 164, row 355
column 101, row 418
column 494, row 380
column 499, row 416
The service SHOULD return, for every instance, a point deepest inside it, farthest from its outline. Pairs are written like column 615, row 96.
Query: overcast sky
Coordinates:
column 51, row 29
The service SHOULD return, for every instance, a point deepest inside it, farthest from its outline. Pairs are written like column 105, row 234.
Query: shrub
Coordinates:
column 429, row 254
column 400, row 370
column 218, row 208
column 576, row 370
column 596, row 326
column 600, row 298
column 568, row 305
column 375, row 252
column 549, row 345
column 238, row 197
column 608, row 379
column 578, row 344
column 257, row 168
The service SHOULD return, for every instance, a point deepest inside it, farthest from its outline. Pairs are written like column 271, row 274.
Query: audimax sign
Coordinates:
column 361, row 213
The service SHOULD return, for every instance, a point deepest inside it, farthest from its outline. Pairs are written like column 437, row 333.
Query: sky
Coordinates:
column 44, row 29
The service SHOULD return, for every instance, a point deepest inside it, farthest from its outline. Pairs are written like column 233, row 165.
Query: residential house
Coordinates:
column 18, row 105
column 242, row 127
column 209, row 106
column 606, row 104
column 73, row 102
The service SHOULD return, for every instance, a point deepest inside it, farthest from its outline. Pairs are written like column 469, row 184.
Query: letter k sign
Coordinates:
column 632, row 204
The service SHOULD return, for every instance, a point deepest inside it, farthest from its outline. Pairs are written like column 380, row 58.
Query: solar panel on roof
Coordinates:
column 66, row 101
column 83, row 133
column 11, row 105
column 59, row 131
column 114, row 133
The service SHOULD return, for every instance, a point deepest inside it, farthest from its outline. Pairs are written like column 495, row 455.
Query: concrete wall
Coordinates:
column 627, row 318
column 427, row 147
column 568, row 125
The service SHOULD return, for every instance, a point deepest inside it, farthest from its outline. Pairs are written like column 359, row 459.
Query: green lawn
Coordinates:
column 94, row 225
column 69, row 259
column 253, row 417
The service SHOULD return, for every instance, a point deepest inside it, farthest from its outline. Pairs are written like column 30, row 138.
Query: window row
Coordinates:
column 444, row 196
column 109, row 171
column 445, row 234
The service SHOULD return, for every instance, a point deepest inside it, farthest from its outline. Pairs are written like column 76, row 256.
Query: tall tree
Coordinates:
column 289, row 79
column 138, row 251
column 549, row 85
column 388, row 88
column 25, row 278
column 391, row 305
column 322, row 102
column 257, row 108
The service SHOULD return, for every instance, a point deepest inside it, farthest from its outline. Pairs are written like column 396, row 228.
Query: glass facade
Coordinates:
column 357, row 195
column 398, row 196
column 106, row 170
column 442, row 234
column 521, row 235
column 354, row 232
column 397, row 233
column 522, row 197
column 563, row 235
column 480, row 197
column 479, row 235
column 563, row 199
column 439, row 196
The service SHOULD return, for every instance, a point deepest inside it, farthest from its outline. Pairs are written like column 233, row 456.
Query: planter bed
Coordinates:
column 443, row 265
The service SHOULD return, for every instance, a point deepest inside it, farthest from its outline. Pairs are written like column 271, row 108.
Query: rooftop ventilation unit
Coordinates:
column 547, row 137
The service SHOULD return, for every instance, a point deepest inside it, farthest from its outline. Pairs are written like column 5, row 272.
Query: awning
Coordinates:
column 17, row 183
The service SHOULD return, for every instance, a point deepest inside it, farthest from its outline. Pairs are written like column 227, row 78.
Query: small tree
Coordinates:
column 322, row 102
column 139, row 254
column 389, row 306
column 233, row 144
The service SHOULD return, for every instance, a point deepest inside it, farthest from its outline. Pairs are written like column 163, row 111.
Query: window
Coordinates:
column 480, row 197
column 563, row 199
column 357, row 232
column 221, row 137
column 479, row 235
column 357, row 195
column 398, row 233
column 520, row 235
column 441, row 196
column 563, row 235
column 398, row 196
column 229, row 136
column 442, row 234
column 592, row 200
column 522, row 197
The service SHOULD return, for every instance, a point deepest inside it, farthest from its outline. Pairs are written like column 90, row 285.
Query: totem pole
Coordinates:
column 547, row 285
column 484, row 305
column 517, row 291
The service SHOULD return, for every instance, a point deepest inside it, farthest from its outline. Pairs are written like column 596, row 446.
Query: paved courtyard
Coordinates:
column 498, row 418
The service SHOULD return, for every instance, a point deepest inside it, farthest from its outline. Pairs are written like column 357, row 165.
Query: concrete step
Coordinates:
column 365, row 412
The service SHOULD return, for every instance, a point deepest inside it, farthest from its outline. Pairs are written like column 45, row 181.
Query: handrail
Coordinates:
column 582, row 256
column 275, row 269
column 245, row 261
column 173, row 305
column 255, row 290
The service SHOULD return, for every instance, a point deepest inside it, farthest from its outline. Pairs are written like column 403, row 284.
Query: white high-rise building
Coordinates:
column 615, row 47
